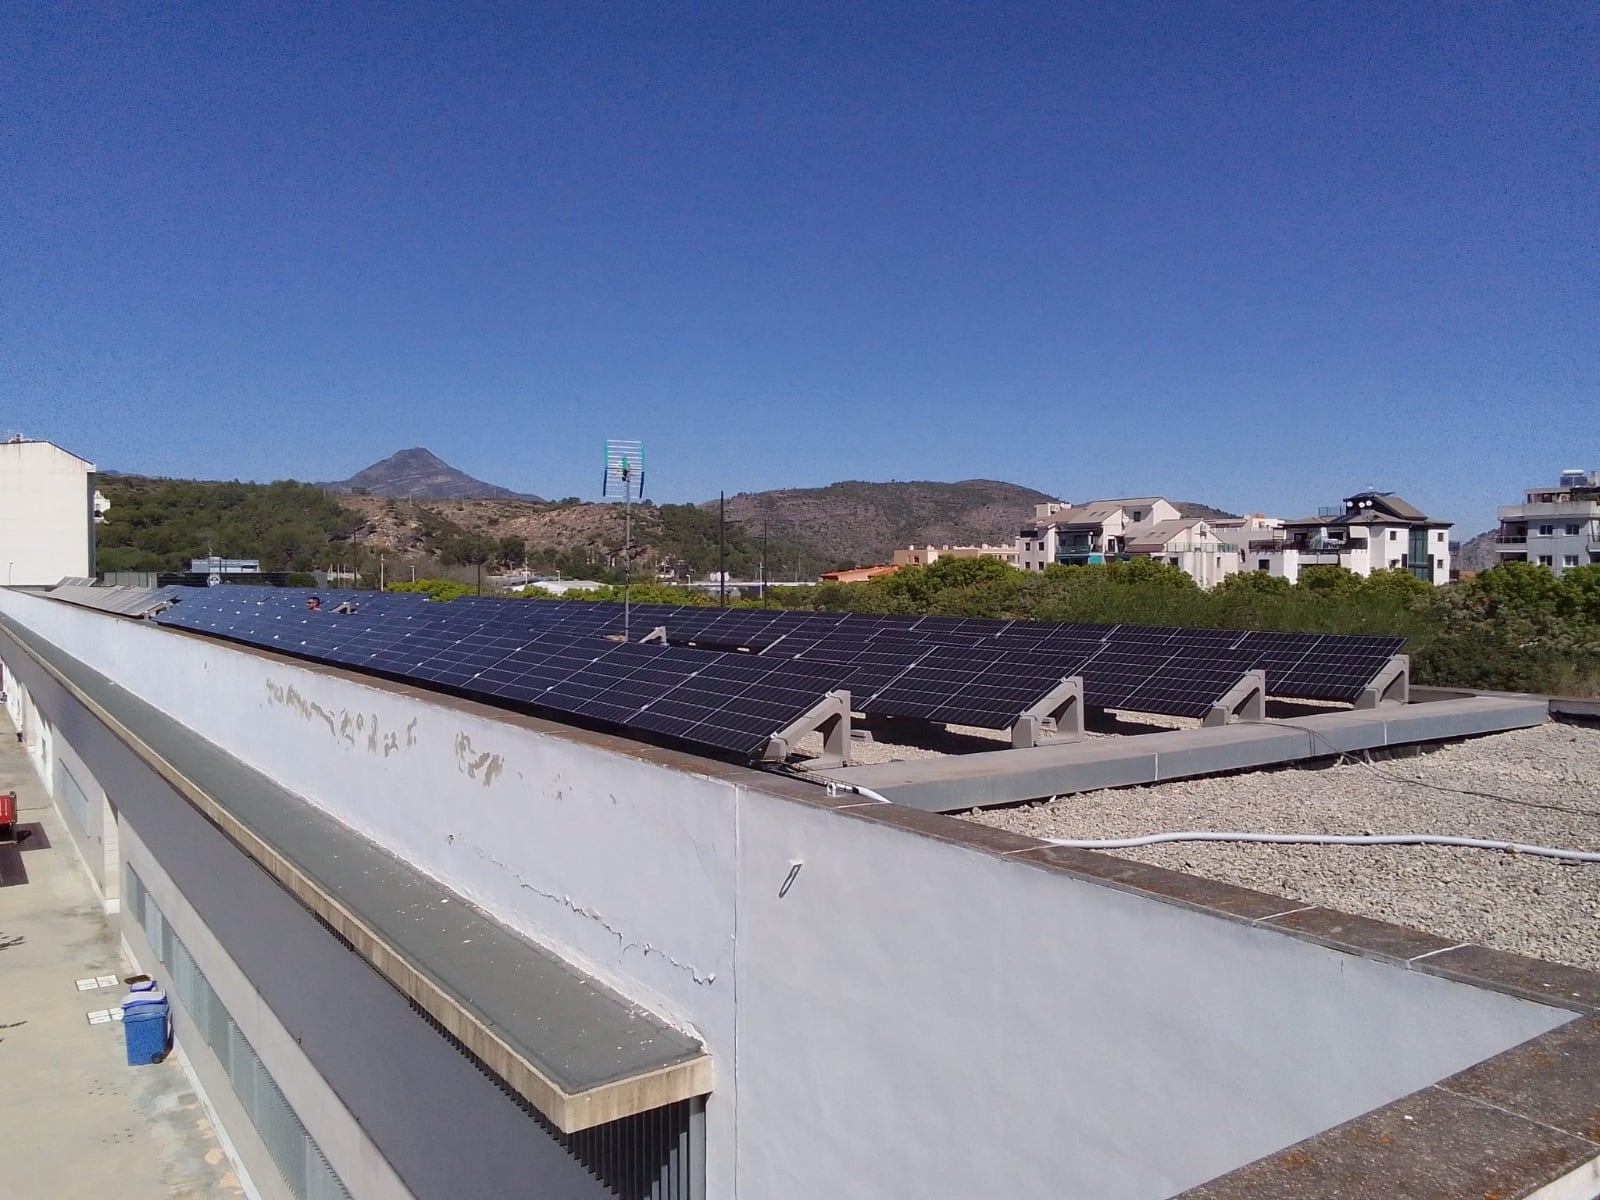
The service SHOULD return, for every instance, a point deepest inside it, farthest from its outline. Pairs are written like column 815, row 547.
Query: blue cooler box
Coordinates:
column 145, row 1022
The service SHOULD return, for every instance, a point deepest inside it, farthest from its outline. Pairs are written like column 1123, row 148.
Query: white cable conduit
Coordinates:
column 834, row 788
column 1323, row 839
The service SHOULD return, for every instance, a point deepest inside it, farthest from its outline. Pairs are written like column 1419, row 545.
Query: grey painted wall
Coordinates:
column 913, row 1017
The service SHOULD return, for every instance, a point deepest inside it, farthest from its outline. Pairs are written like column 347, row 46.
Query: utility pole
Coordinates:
column 764, row 520
column 722, row 550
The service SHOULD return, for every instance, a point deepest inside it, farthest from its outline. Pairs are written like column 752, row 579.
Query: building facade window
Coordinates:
column 1569, row 560
column 293, row 1150
column 1573, row 530
column 1547, row 530
column 1545, row 561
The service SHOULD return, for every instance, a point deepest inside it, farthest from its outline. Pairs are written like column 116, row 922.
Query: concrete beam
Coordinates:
column 992, row 778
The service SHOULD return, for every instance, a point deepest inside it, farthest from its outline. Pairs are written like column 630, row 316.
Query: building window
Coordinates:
column 1569, row 560
column 293, row 1150
column 1263, row 564
column 1546, row 530
column 1572, row 530
column 1545, row 561
column 1394, row 535
column 1438, row 535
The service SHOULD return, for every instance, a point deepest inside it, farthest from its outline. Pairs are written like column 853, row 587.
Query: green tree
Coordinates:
column 1399, row 584
column 1253, row 582
column 1329, row 579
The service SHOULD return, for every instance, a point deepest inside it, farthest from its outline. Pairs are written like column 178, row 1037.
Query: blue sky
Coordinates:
column 1258, row 255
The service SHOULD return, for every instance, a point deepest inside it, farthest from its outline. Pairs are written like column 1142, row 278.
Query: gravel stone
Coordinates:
column 1538, row 786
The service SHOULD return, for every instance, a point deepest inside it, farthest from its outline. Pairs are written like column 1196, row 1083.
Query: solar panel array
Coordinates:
column 504, row 653
column 729, row 679
column 129, row 600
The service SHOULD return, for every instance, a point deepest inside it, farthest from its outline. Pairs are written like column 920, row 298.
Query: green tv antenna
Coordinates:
column 625, row 480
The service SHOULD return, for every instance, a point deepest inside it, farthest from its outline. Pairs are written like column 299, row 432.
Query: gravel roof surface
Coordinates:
column 1542, row 788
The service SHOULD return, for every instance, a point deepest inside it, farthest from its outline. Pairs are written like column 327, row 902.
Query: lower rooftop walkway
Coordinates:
column 79, row 1122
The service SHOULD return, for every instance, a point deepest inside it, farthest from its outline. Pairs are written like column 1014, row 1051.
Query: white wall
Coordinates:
column 914, row 1018
column 45, row 514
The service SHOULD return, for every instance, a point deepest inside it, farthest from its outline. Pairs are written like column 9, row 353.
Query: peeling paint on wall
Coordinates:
column 344, row 725
column 483, row 766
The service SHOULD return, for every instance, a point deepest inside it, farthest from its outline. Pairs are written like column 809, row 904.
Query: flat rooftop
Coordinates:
column 1535, row 786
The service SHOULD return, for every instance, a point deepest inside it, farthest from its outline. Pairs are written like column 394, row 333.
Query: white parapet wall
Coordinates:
column 891, row 1014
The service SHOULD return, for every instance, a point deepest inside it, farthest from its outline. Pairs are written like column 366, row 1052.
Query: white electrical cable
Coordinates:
column 1322, row 839
column 834, row 788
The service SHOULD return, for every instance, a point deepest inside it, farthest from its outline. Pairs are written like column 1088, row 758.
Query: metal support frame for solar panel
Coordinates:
column 1055, row 718
column 1391, row 685
column 1245, row 701
column 831, row 718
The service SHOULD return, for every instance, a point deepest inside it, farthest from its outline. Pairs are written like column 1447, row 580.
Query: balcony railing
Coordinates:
column 1508, row 540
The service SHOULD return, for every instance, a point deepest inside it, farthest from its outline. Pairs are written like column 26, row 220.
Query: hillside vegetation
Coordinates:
column 160, row 524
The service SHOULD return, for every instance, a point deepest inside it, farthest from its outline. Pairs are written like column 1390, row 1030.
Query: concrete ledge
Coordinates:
column 1432, row 1143
column 991, row 778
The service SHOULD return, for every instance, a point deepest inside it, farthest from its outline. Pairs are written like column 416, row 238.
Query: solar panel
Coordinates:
column 562, row 656
column 549, row 660
column 965, row 685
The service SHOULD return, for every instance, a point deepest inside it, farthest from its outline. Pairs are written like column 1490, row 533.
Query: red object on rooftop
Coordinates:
column 8, row 816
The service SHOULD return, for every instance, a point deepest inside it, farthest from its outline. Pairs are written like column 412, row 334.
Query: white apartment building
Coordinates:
column 1103, row 531
column 1088, row 534
column 926, row 556
column 48, row 508
column 1557, row 527
column 1374, row 531
column 1192, row 544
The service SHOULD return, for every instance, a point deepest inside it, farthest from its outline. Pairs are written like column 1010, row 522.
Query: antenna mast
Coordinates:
column 625, row 478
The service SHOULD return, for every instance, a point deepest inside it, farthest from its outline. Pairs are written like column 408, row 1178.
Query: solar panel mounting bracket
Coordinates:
column 1392, row 684
column 830, row 717
column 658, row 634
column 1056, row 717
column 1244, row 701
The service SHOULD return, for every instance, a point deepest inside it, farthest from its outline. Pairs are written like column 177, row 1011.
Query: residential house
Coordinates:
column 1192, row 544
column 1557, row 527
column 1374, row 531
column 858, row 574
column 1087, row 534
column 926, row 556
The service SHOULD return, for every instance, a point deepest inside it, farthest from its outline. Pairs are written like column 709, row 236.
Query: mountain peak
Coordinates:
column 420, row 474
